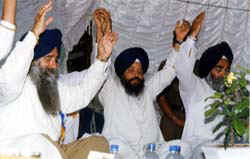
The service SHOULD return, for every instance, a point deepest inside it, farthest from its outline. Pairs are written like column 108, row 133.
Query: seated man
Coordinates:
column 211, row 69
column 130, row 117
column 33, row 117
column 129, row 113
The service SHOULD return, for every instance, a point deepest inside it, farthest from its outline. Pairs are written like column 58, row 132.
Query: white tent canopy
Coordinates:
column 149, row 23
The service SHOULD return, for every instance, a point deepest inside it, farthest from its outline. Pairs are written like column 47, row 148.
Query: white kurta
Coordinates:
column 6, row 38
column 131, row 121
column 24, row 114
column 193, row 91
column 6, row 41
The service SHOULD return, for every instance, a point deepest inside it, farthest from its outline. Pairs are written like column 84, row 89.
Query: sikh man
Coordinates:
column 130, row 118
column 196, row 86
column 32, row 121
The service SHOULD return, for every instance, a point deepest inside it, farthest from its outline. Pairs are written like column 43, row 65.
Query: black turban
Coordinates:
column 128, row 57
column 212, row 56
column 48, row 40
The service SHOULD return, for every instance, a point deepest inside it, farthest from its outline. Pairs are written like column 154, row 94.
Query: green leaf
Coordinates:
column 228, row 101
column 239, row 127
column 243, row 83
column 227, row 111
column 218, row 126
column 243, row 115
column 211, row 112
column 217, row 95
column 229, row 91
column 243, row 105
column 227, row 137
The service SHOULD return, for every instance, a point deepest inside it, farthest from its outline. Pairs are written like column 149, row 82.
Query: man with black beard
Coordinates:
column 31, row 122
column 199, row 80
column 128, row 101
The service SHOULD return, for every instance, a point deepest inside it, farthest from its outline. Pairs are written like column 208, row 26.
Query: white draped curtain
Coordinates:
column 150, row 23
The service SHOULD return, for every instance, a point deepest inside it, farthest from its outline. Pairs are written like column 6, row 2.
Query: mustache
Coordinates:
column 135, row 78
column 133, row 89
column 215, row 83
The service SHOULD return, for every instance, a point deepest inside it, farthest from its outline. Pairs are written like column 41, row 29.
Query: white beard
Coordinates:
column 215, row 84
column 45, row 81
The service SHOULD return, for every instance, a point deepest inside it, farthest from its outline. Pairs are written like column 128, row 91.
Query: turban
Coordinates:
column 127, row 57
column 48, row 40
column 212, row 56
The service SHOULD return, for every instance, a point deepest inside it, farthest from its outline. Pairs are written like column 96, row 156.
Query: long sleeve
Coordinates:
column 15, row 69
column 108, row 90
column 6, row 38
column 184, row 68
column 77, row 89
column 163, row 78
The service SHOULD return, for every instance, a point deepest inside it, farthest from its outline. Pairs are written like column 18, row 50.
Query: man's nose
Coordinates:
column 53, row 64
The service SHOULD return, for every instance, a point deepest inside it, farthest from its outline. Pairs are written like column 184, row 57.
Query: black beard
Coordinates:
column 216, row 84
column 45, row 81
column 134, row 89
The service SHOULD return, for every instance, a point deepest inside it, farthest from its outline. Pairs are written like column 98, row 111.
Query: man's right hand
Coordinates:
column 196, row 25
column 41, row 23
column 9, row 11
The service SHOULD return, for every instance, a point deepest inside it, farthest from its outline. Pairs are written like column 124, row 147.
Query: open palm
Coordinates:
column 106, row 44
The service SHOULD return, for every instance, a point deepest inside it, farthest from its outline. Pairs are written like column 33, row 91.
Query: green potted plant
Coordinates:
column 233, row 105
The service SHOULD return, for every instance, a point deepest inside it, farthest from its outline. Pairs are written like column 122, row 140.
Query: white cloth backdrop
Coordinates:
column 149, row 23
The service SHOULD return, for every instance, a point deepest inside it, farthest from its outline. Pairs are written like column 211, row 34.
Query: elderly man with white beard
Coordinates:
column 32, row 121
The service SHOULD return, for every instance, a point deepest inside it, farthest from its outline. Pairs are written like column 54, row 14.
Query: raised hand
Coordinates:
column 105, row 45
column 182, row 29
column 197, row 24
column 103, row 22
column 9, row 11
column 41, row 22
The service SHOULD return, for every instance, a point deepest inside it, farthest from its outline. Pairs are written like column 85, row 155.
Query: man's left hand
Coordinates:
column 181, row 30
column 105, row 46
column 103, row 22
